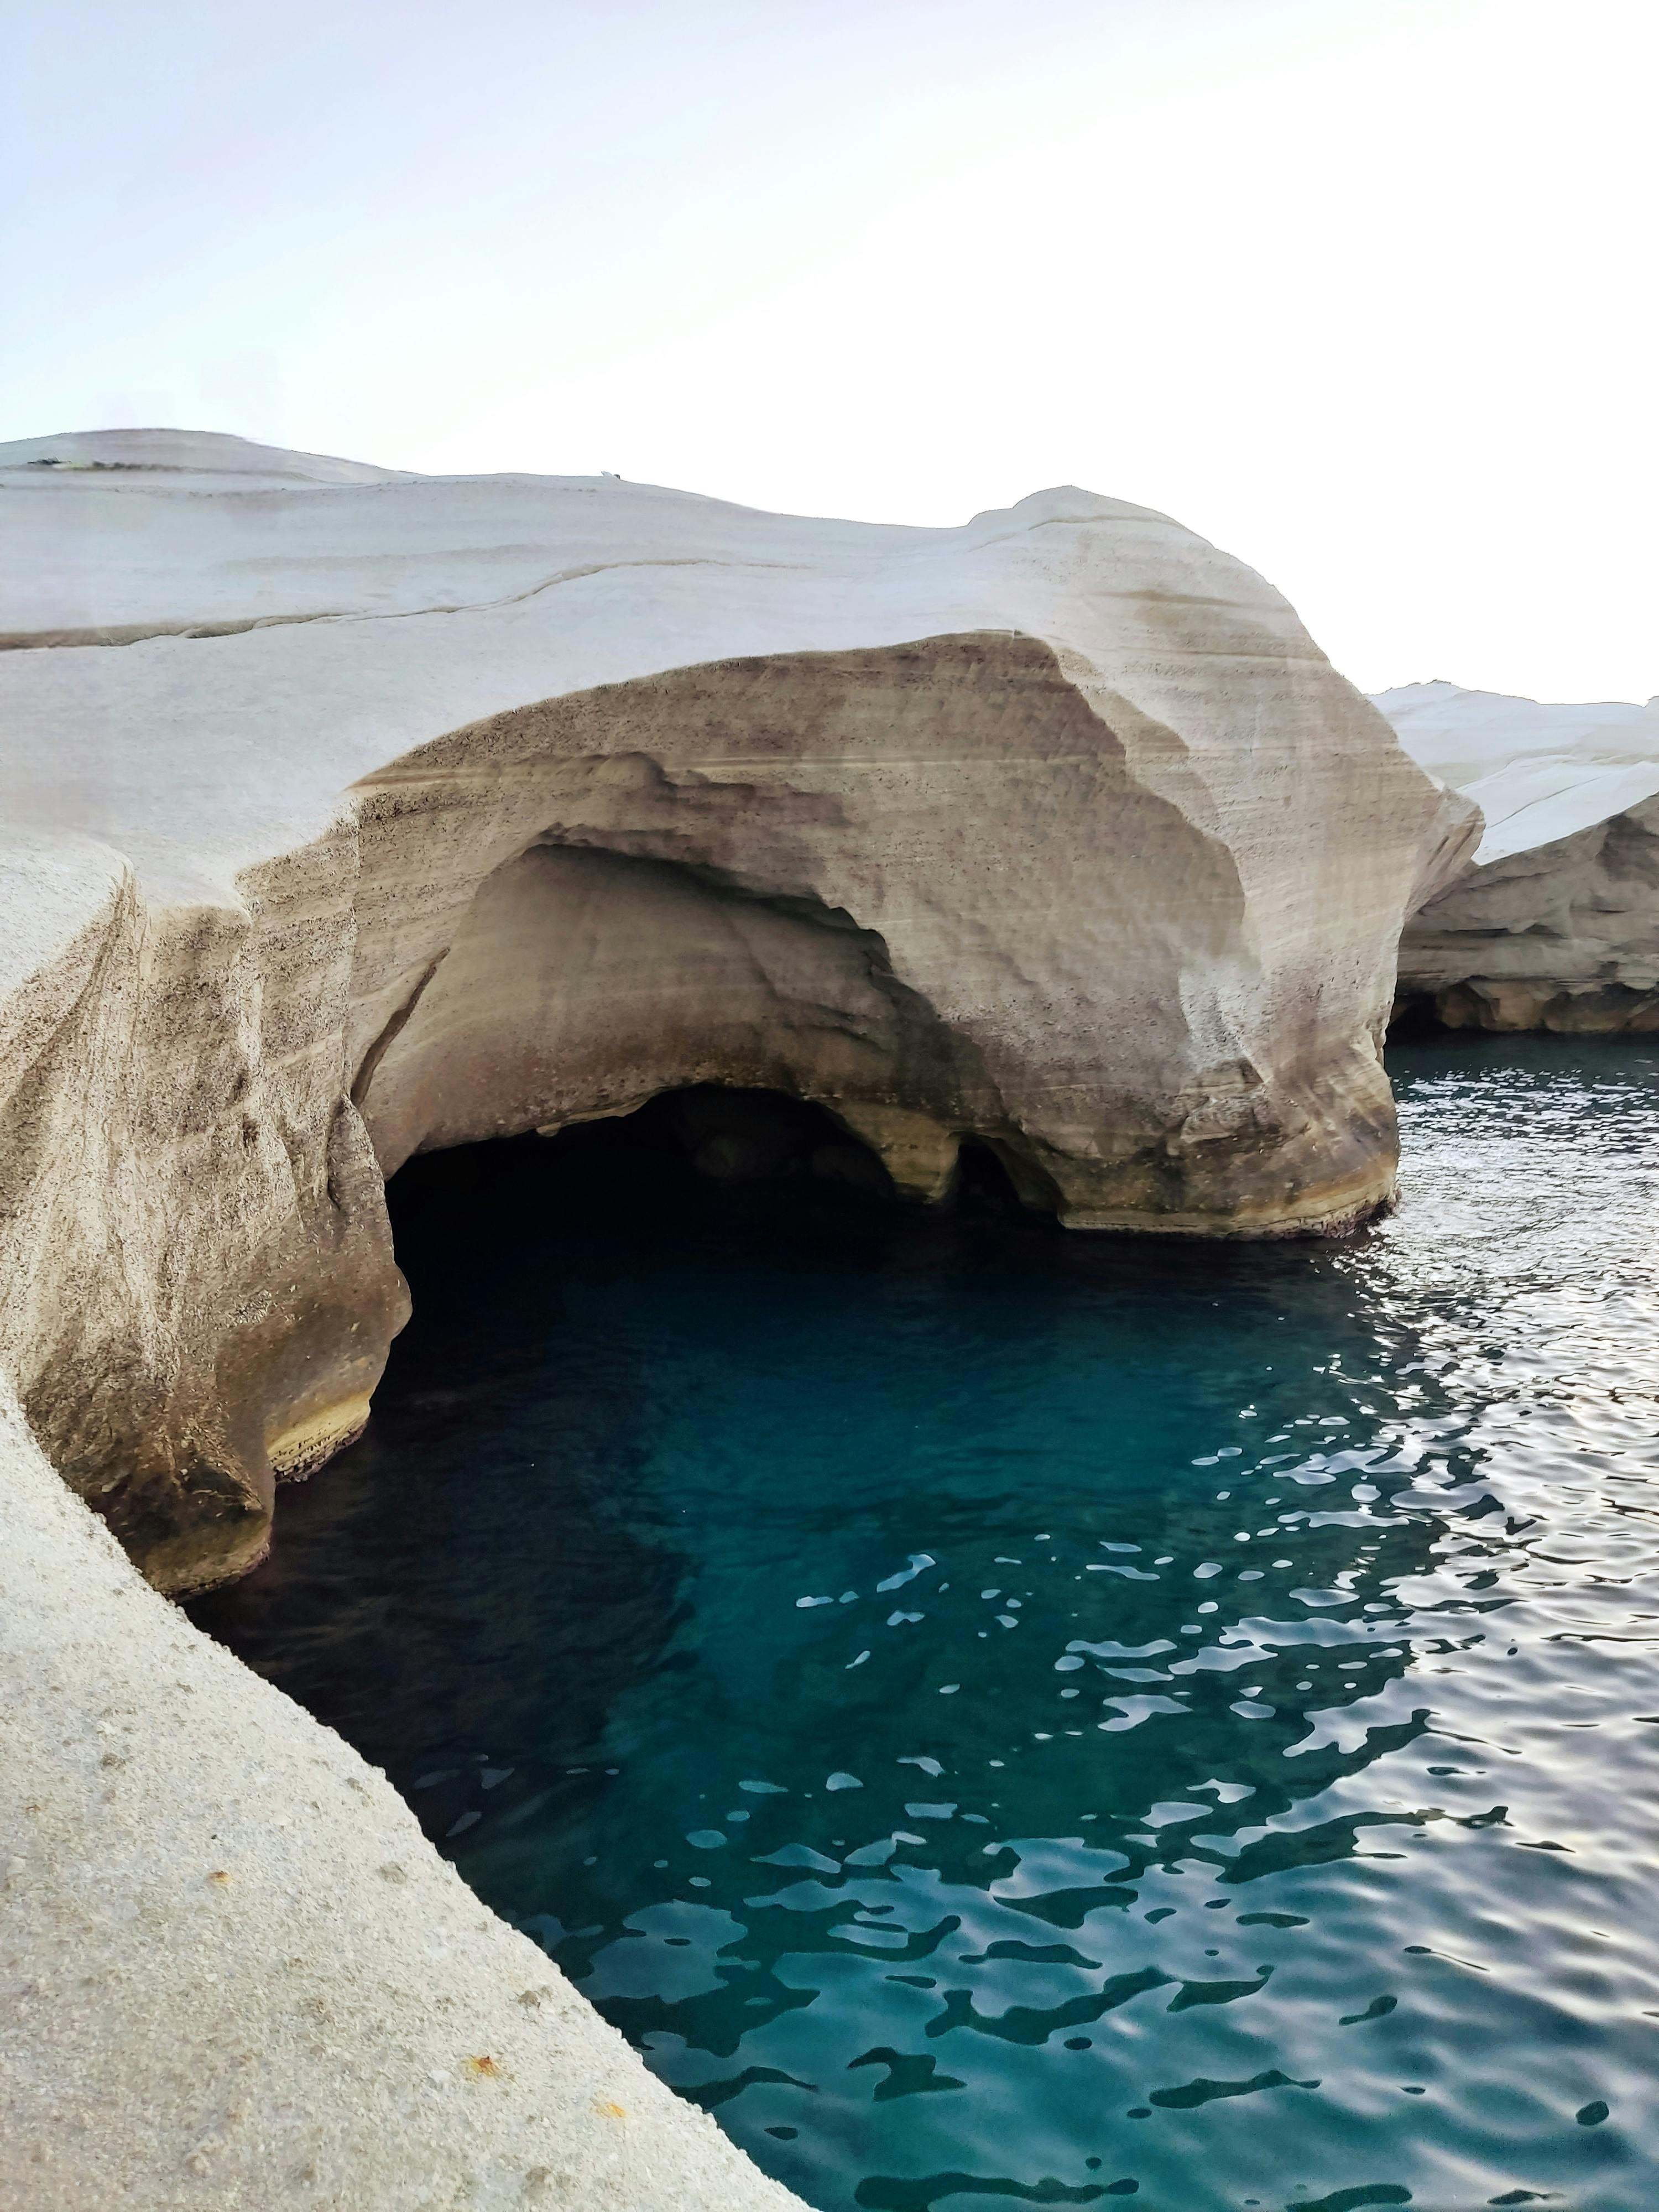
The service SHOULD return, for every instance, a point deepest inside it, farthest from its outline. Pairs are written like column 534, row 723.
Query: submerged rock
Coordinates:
column 1554, row 924
column 353, row 814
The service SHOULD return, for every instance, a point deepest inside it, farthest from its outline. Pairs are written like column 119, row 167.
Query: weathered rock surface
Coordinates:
column 1554, row 924
column 417, row 810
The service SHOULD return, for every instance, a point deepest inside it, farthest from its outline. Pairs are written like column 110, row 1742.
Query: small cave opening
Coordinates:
column 984, row 1189
column 1415, row 1019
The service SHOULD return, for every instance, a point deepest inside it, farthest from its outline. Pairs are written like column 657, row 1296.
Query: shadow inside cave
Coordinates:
column 474, row 1552
column 470, row 1537
column 1074, row 1676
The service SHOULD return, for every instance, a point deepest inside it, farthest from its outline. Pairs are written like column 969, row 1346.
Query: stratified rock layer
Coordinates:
column 353, row 813
column 1554, row 924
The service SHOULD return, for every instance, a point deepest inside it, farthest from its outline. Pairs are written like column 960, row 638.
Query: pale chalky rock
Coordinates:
column 395, row 812
column 1554, row 924
column 234, row 1971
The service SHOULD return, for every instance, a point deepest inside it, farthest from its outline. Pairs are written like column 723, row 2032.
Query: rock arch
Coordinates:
column 1076, row 860
column 583, row 982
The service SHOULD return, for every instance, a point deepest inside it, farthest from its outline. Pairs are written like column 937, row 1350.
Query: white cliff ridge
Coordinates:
column 1554, row 924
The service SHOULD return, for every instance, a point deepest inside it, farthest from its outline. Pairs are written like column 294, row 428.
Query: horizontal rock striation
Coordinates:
column 1554, row 924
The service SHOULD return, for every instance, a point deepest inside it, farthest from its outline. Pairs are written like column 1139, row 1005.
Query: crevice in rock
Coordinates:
column 378, row 1050
column 114, row 634
column 140, row 633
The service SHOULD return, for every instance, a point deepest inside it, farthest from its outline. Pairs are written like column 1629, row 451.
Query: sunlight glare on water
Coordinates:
column 997, row 1714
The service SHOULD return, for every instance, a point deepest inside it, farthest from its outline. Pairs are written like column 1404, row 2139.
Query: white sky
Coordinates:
column 1362, row 289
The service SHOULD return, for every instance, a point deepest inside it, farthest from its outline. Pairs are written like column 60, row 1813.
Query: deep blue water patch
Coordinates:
column 994, row 1714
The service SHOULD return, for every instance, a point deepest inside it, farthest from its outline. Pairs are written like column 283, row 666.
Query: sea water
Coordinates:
column 994, row 1713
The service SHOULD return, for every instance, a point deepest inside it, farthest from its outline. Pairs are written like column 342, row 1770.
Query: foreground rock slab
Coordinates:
column 1554, row 923
column 234, row 1973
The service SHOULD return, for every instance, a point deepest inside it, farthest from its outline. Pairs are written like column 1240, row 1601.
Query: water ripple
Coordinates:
column 1250, row 1799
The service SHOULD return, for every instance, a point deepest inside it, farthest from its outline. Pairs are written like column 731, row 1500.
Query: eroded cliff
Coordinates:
column 394, row 812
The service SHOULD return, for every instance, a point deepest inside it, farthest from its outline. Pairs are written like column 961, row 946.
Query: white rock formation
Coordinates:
column 1555, row 923
column 1055, row 830
column 348, row 812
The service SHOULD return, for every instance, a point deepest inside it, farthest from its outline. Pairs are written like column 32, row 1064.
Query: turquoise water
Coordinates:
column 996, row 1714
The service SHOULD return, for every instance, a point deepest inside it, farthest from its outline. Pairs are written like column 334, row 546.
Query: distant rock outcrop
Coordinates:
column 1554, row 924
column 351, row 813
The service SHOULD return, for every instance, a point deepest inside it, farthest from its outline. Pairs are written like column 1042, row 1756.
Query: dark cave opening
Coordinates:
column 688, row 1160
column 685, row 1155
column 983, row 1186
column 1416, row 1020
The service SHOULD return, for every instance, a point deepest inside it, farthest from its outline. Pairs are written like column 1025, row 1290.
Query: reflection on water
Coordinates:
column 998, row 1714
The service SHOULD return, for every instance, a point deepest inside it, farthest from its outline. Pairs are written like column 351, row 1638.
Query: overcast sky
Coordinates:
column 1362, row 289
